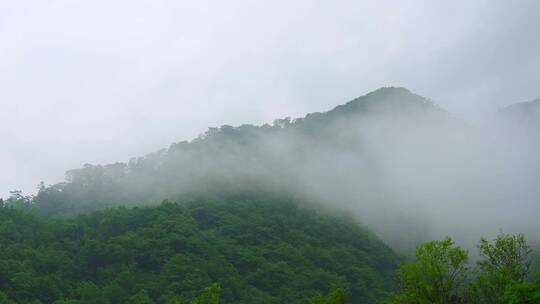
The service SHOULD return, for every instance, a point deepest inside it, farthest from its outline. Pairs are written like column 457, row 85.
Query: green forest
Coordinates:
column 300, row 211
column 244, row 249
column 269, row 152
column 256, row 249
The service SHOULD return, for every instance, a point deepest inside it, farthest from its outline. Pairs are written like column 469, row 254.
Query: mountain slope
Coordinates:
column 374, row 156
column 260, row 249
column 523, row 112
column 277, row 158
column 521, row 122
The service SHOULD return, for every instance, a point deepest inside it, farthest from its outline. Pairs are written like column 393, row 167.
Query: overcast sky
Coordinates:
column 102, row 81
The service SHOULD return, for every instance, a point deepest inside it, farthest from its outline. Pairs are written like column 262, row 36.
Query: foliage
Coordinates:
column 209, row 296
column 337, row 296
column 4, row 299
column 508, row 254
column 440, row 274
column 258, row 249
column 523, row 292
column 504, row 262
column 436, row 277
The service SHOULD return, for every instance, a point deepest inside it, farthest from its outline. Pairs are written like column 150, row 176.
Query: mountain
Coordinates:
column 391, row 160
column 373, row 157
column 520, row 122
column 526, row 114
column 259, row 249
column 519, row 126
column 283, row 157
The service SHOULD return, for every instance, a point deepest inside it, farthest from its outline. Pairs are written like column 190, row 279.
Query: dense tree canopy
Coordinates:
column 258, row 249
column 441, row 275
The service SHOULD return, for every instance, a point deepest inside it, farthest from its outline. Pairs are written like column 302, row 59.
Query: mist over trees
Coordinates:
column 392, row 158
column 260, row 211
column 280, row 152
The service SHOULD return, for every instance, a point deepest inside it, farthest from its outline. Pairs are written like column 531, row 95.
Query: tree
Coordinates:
column 524, row 292
column 4, row 299
column 18, row 200
column 90, row 293
column 141, row 298
column 504, row 262
column 23, row 285
column 337, row 296
column 209, row 296
column 508, row 254
column 436, row 277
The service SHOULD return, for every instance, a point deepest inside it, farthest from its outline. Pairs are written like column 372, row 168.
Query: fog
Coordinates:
column 417, row 178
column 412, row 174
column 100, row 82
column 395, row 161
column 103, row 81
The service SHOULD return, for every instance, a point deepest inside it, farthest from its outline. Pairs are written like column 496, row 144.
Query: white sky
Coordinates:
column 102, row 81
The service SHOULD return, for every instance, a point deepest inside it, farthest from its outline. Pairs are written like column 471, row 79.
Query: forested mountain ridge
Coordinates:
column 274, row 158
column 242, row 221
column 254, row 202
column 527, row 112
column 393, row 159
column 259, row 249
column 522, row 122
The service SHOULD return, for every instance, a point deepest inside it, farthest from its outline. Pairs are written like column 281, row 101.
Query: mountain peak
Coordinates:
column 391, row 90
column 522, row 106
column 526, row 113
column 385, row 98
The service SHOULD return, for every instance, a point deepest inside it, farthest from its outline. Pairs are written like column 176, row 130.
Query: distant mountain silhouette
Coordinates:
column 232, row 159
column 523, row 114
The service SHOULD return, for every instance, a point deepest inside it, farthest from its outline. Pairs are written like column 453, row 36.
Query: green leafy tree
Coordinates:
column 23, row 284
column 209, row 296
column 337, row 296
column 4, row 299
column 436, row 277
column 90, row 293
column 171, row 298
column 18, row 200
column 504, row 262
column 141, row 298
column 524, row 292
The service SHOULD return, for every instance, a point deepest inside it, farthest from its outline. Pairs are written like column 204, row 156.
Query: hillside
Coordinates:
column 526, row 113
column 258, row 249
column 288, row 156
column 362, row 157
column 258, row 208
column 521, row 123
